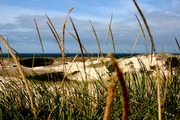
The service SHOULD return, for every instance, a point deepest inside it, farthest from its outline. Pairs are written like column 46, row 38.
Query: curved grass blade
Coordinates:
column 135, row 43
column 108, row 29
column 123, row 87
column 94, row 31
column 39, row 35
column 142, row 32
column 177, row 42
column 147, row 27
column 63, row 34
column 23, row 76
column 80, row 44
column 53, row 30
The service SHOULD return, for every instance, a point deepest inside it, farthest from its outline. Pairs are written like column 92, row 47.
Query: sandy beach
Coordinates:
column 95, row 68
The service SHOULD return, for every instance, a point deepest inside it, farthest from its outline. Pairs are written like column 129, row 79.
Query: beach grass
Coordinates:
column 130, row 95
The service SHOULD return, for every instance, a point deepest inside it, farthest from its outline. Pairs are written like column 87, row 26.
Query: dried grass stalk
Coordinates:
column 97, row 40
column 109, row 101
column 177, row 43
column 110, row 23
column 22, row 74
column 63, row 34
column 53, row 30
column 123, row 87
column 142, row 32
column 39, row 35
column 147, row 27
column 135, row 43
column 158, row 92
column 80, row 44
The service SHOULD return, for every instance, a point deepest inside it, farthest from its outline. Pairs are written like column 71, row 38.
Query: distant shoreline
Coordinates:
column 57, row 55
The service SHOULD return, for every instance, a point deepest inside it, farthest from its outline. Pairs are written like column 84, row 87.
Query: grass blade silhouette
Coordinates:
column 142, row 32
column 79, row 42
column 97, row 40
column 23, row 76
column 63, row 34
column 39, row 35
column 123, row 87
column 147, row 27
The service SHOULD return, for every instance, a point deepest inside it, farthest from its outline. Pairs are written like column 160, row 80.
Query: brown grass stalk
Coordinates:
column 79, row 42
column 110, row 23
column 177, row 42
column 111, row 34
column 142, row 32
column 147, row 27
column 53, row 30
column 123, row 88
column 135, row 43
column 22, row 74
column 158, row 92
column 97, row 40
column 109, row 101
column 63, row 34
column 39, row 35
column 85, row 52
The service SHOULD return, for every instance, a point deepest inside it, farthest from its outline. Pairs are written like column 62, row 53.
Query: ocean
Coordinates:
column 56, row 55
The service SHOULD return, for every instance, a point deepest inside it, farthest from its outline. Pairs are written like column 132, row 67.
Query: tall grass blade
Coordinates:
column 109, row 101
column 135, row 43
column 39, row 35
column 97, row 40
column 56, row 38
column 110, row 34
column 123, row 87
column 158, row 92
column 86, row 53
column 79, row 42
column 110, row 23
column 177, row 43
column 142, row 32
column 53, row 30
column 63, row 34
column 23, row 76
column 112, row 38
column 153, row 50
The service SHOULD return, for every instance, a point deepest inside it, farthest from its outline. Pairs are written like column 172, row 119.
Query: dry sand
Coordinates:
column 94, row 70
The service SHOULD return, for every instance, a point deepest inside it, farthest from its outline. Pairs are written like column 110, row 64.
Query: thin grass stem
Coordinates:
column 147, row 27
column 39, row 35
column 158, row 92
column 80, row 44
column 123, row 87
column 23, row 76
column 142, row 32
column 109, row 101
column 63, row 34
column 97, row 40
column 135, row 43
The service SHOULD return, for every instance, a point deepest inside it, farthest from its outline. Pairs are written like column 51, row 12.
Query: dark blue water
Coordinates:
column 56, row 55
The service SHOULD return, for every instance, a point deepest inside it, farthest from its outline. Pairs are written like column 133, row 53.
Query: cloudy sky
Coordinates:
column 17, row 24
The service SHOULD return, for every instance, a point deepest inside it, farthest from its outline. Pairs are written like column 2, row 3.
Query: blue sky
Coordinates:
column 17, row 24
